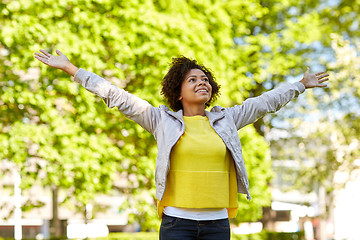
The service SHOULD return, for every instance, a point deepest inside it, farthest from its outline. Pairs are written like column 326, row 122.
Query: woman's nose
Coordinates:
column 201, row 82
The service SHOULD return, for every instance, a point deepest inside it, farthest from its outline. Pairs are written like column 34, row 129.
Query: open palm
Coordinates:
column 59, row 62
column 311, row 80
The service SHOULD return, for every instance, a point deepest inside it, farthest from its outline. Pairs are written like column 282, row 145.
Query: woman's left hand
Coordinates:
column 312, row 80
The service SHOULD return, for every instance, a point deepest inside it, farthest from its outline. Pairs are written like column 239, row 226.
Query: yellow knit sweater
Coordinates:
column 202, row 173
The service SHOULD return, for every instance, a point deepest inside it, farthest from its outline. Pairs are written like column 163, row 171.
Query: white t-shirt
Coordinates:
column 198, row 214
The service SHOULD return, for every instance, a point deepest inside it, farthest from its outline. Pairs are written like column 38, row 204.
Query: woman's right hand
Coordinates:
column 61, row 62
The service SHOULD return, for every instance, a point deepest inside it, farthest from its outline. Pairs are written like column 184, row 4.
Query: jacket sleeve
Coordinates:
column 269, row 102
column 131, row 106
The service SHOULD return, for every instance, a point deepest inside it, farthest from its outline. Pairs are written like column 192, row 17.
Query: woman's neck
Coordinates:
column 194, row 111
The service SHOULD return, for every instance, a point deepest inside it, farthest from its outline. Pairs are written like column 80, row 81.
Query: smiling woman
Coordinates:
column 182, row 69
column 195, row 93
column 200, row 166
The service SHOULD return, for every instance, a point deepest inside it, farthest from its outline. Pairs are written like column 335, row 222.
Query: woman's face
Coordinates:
column 195, row 88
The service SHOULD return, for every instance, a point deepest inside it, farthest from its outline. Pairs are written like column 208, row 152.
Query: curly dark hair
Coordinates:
column 171, row 84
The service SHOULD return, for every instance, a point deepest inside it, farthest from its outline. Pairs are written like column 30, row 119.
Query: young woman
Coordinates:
column 199, row 167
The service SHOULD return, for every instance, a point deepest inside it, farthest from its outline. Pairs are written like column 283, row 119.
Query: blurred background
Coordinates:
column 71, row 167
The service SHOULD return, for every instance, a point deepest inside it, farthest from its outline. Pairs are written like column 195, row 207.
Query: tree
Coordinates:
column 328, row 137
column 275, row 41
column 62, row 137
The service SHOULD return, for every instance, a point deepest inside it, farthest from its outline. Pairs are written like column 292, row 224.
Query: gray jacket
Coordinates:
column 168, row 126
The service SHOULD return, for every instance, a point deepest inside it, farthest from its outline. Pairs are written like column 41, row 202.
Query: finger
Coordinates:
column 45, row 53
column 319, row 73
column 41, row 58
column 322, row 85
column 59, row 53
column 323, row 80
column 307, row 69
column 39, row 54
column 322, row 76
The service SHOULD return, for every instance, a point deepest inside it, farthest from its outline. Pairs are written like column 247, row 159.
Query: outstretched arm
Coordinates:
column 254, row 108
column 133, row 107
column 61, row 62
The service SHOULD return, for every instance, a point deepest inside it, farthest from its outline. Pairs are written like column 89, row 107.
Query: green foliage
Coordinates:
column 285, row 236
column 331, row 135
column 258, row 164
column 265, row 235
column 253, row 236
column 59, row 134
column 132, row 236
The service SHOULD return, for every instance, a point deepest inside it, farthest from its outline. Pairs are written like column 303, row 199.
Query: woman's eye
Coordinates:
column 191, row 80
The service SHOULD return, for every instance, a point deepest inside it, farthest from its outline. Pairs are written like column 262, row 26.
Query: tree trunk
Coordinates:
column 55, row 225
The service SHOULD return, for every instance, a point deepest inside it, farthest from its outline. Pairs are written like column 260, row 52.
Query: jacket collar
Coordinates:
column 178, row 115
column 213, row 115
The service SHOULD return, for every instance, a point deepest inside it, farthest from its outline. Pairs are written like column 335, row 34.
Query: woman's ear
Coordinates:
column 180, row 98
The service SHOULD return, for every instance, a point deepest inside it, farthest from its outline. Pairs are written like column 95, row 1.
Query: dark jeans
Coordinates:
column 173, row 228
